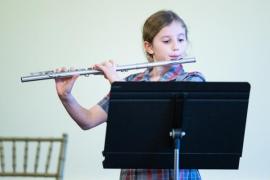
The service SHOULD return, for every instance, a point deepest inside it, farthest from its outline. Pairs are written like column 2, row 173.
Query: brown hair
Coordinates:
column 156, row 22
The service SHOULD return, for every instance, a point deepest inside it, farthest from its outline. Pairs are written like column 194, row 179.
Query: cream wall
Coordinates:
column 230, row 40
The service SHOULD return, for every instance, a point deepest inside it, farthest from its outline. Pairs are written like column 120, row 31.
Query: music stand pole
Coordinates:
column 177, row 134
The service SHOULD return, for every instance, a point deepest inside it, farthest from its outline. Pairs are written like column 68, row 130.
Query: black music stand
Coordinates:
column 211, row 115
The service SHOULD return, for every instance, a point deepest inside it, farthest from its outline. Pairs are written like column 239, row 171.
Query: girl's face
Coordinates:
column 169, row 44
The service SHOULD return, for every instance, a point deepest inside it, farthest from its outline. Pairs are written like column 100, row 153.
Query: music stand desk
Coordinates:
column 142, row 115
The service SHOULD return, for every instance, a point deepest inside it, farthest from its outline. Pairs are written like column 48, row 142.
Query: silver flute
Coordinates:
column 43, row 75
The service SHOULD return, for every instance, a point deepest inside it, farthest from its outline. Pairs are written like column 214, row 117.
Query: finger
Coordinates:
column 107, row 64
column 96, row 66
column 61, row 69
column 92, row 66
column 112, row 62
column 104, row 63
column 57, row 69
column 114, row 66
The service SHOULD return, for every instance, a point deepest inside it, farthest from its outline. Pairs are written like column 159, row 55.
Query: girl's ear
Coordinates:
column 148, row 47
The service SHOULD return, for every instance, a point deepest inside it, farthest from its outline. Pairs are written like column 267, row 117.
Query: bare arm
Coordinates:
column 85, row 118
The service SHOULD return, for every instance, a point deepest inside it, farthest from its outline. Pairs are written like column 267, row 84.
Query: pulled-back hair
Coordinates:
column 156, row 22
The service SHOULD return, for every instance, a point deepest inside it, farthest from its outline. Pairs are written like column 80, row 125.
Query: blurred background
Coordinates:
column 230, row 40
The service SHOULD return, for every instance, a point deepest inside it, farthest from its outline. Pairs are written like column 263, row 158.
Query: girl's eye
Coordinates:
column 166, row 41
column 181, row 40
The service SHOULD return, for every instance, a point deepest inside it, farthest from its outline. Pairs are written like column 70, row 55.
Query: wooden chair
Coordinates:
column 32, row 151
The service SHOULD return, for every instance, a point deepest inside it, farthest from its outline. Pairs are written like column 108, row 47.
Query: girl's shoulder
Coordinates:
column 191, row 76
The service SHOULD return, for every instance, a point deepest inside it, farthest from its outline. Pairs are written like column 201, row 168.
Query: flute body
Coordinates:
column 43, row 75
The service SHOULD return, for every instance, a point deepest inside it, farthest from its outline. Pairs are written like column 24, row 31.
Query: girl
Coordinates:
column 165, row 38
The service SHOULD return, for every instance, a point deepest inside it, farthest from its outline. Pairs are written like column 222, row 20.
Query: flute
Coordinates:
column 43, row 75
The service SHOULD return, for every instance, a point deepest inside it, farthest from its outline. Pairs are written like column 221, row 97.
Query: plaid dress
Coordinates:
column 175, row 73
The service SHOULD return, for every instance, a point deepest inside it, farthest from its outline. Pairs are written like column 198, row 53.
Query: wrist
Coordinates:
column 65, row 97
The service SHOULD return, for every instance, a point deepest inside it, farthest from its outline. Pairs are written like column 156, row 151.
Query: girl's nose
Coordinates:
column 175, row 45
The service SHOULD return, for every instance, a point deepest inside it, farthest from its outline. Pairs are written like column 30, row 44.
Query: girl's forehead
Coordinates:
column 175, row 28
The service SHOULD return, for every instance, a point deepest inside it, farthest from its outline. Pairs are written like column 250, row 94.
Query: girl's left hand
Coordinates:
column 109, row 70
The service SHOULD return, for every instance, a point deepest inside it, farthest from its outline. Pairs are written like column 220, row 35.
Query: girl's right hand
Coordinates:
column 64, row 85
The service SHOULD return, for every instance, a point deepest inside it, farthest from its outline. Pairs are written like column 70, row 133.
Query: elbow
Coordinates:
column 88, row 126
column 85, row 127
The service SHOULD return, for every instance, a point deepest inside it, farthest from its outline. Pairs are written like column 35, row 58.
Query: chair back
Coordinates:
column 33, row 156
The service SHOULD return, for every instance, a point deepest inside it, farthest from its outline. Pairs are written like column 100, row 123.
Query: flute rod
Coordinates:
column 43, row 75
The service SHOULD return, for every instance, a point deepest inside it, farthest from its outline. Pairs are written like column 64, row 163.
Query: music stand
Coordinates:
column 212, row 115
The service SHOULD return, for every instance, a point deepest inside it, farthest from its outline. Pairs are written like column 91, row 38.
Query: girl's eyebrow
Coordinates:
column 168, row 36
column 165, row 36
column 181, row 34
